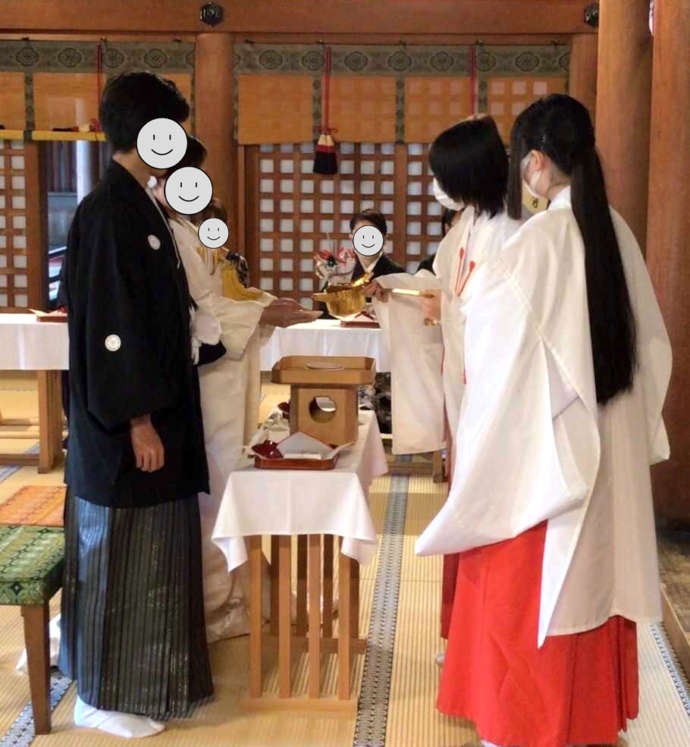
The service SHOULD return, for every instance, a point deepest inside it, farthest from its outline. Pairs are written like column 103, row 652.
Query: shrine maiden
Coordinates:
column 230, row 394
column 470, row 169
column 448, row 219
column 132, row 607
column 568, row 363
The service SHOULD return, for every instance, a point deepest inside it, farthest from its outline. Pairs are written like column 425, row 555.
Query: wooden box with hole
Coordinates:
column 324, row 394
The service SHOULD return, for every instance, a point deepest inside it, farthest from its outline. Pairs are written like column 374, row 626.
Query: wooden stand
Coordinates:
column 49, row 426
column 313, row 630
column 336, row 378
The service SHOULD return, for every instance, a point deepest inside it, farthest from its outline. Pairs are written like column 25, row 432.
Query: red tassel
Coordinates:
column 325, row 160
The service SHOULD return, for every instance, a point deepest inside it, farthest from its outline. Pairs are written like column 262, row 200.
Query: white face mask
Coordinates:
column 533, row 179
column 443, row 198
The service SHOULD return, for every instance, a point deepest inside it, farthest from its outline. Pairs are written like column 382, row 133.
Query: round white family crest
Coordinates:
column 154, row 242
column 113, row 343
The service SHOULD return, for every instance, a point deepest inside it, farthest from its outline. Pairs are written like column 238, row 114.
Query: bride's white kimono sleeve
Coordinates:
column 511, row 474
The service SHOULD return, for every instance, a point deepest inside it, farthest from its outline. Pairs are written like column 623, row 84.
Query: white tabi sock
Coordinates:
column 125, row 725
column 441, row 660
column 54, row 636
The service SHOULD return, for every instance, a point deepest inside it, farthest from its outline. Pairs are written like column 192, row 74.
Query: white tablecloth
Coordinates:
column 259, row 502
column 29, row 345
column 325, row 337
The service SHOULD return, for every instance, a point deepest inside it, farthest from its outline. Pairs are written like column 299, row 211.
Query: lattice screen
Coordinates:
column 300, row 212
column 14, row 273
column 423, row 212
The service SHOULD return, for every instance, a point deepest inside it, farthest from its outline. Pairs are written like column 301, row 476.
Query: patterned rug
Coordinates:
column 41, row 505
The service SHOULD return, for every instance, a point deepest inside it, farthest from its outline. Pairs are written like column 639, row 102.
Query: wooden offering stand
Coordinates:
column 327, row 378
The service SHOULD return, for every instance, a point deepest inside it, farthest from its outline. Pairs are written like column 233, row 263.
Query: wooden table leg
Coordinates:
column 314, row 615
column 438, row 473
column 255, row 618
column 302, row 585
column 275, row 575
column 285, row 617
column 38, row 660
column 49, row 409
column 344, row 633
column 354, row 599
column 328, row 540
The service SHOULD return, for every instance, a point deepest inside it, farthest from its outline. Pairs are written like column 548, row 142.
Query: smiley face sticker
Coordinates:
column 188, row 190
column 161, row 143
column 368, row 241
column 213, row 233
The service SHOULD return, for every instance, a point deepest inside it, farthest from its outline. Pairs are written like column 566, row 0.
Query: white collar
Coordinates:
column 370, row 268
column 562, row 199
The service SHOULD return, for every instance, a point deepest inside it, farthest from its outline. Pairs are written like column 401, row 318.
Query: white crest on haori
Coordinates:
column 113, row 343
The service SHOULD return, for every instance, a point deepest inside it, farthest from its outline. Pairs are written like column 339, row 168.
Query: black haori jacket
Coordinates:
column 130, row 352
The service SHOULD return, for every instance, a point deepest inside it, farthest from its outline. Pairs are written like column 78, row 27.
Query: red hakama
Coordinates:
column 576, row 689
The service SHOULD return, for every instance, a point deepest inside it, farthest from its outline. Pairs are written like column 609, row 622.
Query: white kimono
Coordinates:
column 416, row 353
column 536, row 445
column 230, row 394
column 481, row 240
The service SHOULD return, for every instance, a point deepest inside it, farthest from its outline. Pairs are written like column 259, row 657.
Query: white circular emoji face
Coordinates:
column 188, row 190
column 367, row 240
column 161, row 143
column 213, row 233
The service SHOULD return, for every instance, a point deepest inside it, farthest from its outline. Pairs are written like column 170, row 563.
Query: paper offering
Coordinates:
column 301, row 446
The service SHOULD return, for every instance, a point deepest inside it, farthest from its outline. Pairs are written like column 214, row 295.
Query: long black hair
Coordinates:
column 561, row 128
column 470, row 163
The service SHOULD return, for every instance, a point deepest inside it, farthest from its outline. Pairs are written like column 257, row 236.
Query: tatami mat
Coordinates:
column 409, row 715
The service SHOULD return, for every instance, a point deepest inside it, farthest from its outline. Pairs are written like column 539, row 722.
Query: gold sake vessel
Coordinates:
column 345, row 300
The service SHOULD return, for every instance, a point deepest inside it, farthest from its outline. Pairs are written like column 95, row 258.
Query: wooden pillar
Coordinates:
column 213, row 112
column 668, row 252
column 36, row 224
column 583, row 70
column 623, row 104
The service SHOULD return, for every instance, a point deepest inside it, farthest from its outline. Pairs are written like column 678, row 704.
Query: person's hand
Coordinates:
column 284, row 312
column 374, row 290
column 431, row 306
column 148, row 447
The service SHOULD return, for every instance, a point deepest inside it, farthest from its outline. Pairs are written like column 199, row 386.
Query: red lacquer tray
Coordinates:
column 301, row 464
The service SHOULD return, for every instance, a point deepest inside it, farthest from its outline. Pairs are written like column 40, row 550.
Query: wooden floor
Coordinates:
column 410, row 718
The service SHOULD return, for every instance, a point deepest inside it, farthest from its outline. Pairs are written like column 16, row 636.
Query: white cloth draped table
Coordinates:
column 326, row 337
column 29, row 345
column 277, row 502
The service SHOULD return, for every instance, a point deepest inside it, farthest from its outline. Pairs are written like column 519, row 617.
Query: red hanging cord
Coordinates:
column 326, row 91
column 473, row 80
column 99, row 81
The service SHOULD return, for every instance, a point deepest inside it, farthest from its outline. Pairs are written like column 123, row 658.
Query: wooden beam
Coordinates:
column 300, row 16
column 314, row 38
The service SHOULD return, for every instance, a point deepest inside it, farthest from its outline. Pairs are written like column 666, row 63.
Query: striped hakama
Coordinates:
column 133, row 632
